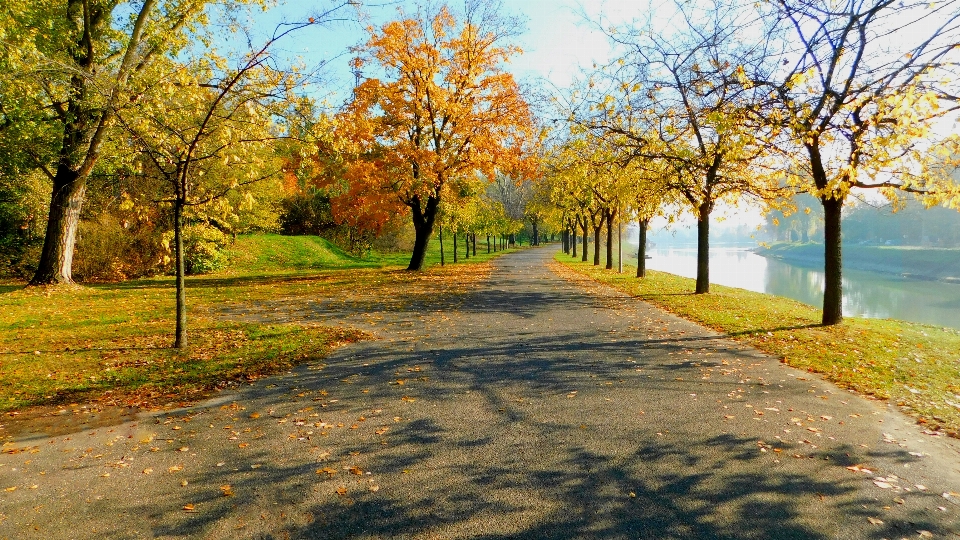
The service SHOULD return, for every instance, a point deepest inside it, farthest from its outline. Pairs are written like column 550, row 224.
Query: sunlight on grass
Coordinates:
column 111, row 342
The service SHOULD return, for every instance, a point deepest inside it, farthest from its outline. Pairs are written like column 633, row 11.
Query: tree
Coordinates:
column 678, row 96
column 79, row 58
column 860, row 106
column 444, row 112
column 204, row 131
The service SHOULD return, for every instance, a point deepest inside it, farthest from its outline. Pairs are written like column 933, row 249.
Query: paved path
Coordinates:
column 541, row 407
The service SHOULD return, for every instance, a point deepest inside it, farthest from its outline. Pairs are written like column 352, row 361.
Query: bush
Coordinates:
column 111, row 248
column 203, row 247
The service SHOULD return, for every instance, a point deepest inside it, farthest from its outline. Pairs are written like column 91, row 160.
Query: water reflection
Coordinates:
column 865, row 294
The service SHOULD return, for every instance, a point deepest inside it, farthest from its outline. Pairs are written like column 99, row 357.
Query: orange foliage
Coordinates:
column 445, row 110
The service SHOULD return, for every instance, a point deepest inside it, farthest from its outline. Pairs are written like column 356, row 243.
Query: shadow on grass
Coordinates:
column 10, row 287
column 775, row 329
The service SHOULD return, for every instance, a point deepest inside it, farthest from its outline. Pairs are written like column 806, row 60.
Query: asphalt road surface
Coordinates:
column 538, row 406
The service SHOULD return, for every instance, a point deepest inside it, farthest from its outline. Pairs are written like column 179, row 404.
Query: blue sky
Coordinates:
column 556, row 44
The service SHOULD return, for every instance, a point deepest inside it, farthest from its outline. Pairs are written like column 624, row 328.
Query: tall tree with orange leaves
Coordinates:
column 443, row 111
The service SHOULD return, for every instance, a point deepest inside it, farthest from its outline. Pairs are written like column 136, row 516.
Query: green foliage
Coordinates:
column 203, row 247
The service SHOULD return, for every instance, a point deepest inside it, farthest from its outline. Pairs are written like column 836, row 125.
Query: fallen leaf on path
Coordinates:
column 189, row 508
column 175, row 468
column 355, row 470
column 243, row 445
column 226, row 490
column 342, row 491
column 882, row 485
column 875, row 521
column 327, row 470
column 148, row 470
column 374, row 489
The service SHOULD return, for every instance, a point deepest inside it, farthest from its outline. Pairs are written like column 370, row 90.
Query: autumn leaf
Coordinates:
column 189, row 507
column 355, row 470
column 226, row 490
column 342, row 491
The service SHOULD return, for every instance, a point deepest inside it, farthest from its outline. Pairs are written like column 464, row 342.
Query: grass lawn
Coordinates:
column 109, row 344
column 916, row 366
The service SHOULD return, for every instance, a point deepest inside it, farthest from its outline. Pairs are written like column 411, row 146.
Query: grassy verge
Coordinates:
column 109, row 344
column 913, row 365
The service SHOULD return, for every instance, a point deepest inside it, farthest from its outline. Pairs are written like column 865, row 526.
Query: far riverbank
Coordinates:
column 924, row 263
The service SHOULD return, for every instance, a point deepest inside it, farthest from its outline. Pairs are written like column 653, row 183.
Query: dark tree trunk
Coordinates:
column 573, row 238
column 536, row 234
column 642, row 249
column 832, row 259
column 455, row 247
column 608, row 217
column 473, row 239
column 440, row 234
column 703, row 248
column 423, row 219
column 597, row 229
column 56, row 258
column 586, row 236
column 488, row 243
column 564, row 241
column 180, row 340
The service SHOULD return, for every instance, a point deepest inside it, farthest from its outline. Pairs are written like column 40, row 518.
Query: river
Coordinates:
column 865, row 294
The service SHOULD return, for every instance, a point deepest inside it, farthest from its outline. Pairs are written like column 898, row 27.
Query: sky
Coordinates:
column 557, row 42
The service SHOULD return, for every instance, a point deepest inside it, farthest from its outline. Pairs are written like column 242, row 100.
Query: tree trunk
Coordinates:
column 597, row 243
column 585, row 240
column 703, row 248
column 440, row 234
column 56, row 258
column 473, row 238
column 180, row 341
column 642, row 249
column 423, row 219
column 573, row 238
column 619, row 247
column 608, row 217
column 455, row 246
column 832, row 259
column 488, row 243
column 536, row 234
